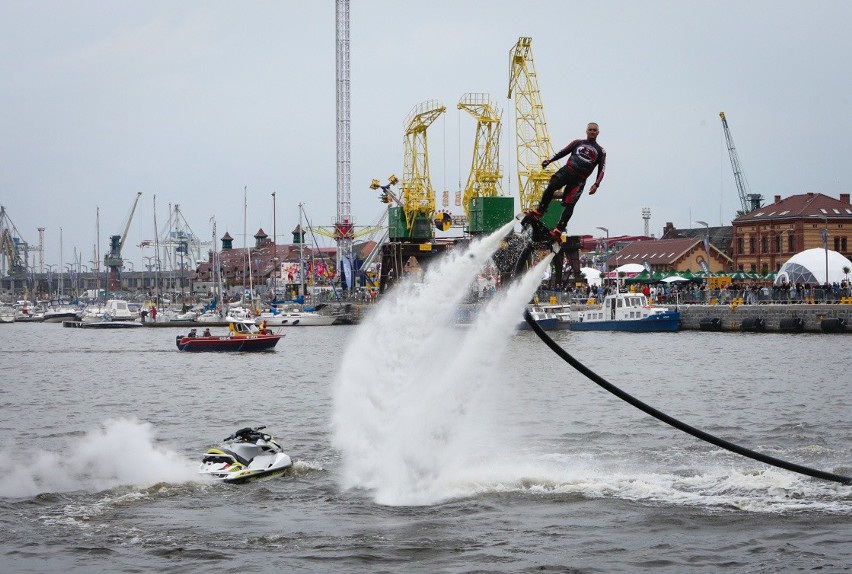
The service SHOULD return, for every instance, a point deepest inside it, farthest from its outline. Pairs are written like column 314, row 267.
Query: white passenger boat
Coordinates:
column 627, row 312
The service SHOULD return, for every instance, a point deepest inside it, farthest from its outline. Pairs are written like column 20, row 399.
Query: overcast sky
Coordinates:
column 195, row 101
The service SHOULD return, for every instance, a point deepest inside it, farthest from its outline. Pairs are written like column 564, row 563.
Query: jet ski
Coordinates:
column 246, row 455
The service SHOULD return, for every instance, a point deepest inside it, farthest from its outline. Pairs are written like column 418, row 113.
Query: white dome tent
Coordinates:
column 809, row 266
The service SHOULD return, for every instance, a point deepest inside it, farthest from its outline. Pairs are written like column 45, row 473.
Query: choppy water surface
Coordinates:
column 424, row 448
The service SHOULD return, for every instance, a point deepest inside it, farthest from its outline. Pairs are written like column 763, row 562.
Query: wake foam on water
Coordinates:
column 123, row 452
column 765, row 490
column 414, row 401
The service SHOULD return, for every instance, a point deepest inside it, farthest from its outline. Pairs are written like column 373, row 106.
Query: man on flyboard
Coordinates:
column 583, row 157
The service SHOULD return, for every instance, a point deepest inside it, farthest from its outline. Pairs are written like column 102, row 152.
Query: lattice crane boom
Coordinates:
column 11, row 260
column 418, row 196
column 749, row 201
column 177, row 240
column 485, row 176
column 532, row 137
column 113, row 259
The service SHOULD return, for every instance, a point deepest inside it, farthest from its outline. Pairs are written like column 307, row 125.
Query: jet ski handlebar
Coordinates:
column 247, row 433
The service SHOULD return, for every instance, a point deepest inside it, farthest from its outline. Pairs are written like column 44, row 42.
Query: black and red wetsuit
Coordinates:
column 583, row 157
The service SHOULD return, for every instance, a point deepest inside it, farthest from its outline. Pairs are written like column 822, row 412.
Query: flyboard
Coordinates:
column 534, row 236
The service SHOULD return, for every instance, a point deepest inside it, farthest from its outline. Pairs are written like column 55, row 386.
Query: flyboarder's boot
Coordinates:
column 531, row 216
column 557, row 232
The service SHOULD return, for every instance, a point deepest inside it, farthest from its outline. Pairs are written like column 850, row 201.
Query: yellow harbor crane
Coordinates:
column 413, row 221
column 411, row 210
column 484, row 205
column 533, row 139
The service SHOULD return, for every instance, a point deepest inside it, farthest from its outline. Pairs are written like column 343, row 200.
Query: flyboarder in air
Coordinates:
column 583, row 157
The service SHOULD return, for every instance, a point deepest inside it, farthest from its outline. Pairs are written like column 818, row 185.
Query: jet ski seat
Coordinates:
column 237, row 457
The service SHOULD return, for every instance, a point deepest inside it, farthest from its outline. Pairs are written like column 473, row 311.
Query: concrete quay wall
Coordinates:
column 731, row 317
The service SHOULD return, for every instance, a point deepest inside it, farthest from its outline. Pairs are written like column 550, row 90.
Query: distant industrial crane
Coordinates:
column 180, row 245
column 749, row 201
column 532, row 137
column 11, row 246
column 113, row 260
column 413, row 221
column 410, row 235
column 484, row 206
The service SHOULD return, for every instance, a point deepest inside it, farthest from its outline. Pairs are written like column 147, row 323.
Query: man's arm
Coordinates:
column 601, row 170
column 561, row 153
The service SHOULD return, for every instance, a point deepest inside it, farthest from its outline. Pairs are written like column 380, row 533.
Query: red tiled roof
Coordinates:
column 659, row 252
column 798, row 206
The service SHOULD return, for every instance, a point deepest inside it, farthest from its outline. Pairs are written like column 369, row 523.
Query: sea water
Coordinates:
column 419, row 447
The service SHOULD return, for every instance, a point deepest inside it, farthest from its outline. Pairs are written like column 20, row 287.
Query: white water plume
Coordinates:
column 414, row 413
column 122, row 453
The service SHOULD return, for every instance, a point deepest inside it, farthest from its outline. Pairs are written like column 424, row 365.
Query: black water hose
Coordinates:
column 697, row 433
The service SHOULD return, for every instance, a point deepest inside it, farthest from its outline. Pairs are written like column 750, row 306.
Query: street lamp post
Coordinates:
column 131, row 270
column 149, row 266
column 277, row 267
column 50, row 267
column 70, row 267
column 824, row 234
column 84, row 270
column 606, row 255
column 706, row 248
column 825, row 247
column 606, row 248
column 706, row 239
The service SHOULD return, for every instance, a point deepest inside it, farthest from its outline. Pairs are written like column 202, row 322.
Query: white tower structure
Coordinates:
column 646, row 215
column 343, row 227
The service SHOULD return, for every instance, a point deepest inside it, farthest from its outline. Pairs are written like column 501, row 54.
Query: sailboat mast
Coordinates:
column 245, row 244
column 61, row 263
column 217, row 271
column 157, row 258
column 274, row 247
column 98, row 252
column 301, row 255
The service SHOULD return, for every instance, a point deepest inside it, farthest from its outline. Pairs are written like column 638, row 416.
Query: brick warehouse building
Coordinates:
column 767, row 237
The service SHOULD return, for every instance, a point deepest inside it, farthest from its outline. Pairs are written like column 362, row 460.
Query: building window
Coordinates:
column 837, row 244
column 740, row 245
column 754, row 267
column 764, row 244
column 777, row 244
column 791, row 243
column 842, row 244
column 751, row 245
